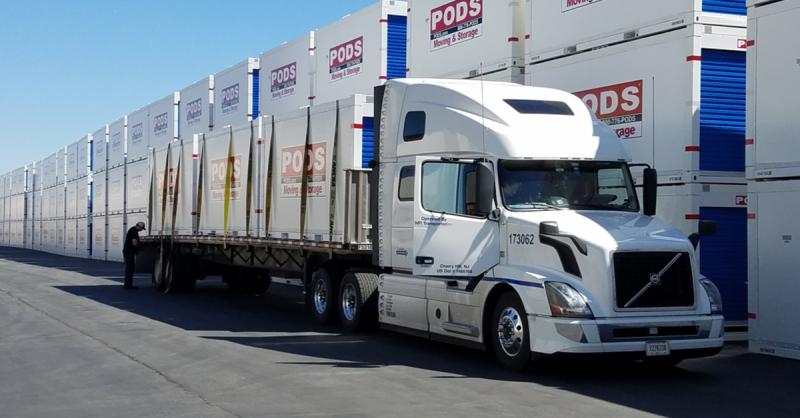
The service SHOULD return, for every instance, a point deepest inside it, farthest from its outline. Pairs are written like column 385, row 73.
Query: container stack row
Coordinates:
column 773, row 173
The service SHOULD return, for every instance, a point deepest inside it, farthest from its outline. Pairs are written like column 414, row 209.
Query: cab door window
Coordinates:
column 449, row 188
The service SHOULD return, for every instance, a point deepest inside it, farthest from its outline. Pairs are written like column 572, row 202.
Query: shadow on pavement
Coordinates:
column 734, row 383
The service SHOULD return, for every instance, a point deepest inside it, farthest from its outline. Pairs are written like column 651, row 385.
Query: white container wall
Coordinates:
column 773, row 285
column 72, row 161
column 116, row 237
column 84, row 161
column 722, row 256
column 136, row 142
column 116, row 190
column 444, row 37
column 100, row 150
column 138, row 180
column 288, row 72
column 236, row 94
column 71, row 237
column 164, row 121
column 773, row 150
column 567, row 26
column 118, row 142
column 195, row 109
column 361, row 51
column 99, row 232
column 83, row 238
column 677, row 99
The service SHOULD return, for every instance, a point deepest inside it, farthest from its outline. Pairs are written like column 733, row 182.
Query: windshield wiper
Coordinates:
column 536, row 205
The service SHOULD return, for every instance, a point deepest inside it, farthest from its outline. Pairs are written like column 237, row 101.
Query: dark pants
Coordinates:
column 130, row 267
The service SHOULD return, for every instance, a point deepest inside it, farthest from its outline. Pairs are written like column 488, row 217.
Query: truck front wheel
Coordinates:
column 324, row 295
column 359, row 301
column 509, row 333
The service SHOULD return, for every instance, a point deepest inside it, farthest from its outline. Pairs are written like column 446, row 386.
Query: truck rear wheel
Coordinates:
column 509, row 333
column 359, row 301
column 178, row 277
column 324, row 295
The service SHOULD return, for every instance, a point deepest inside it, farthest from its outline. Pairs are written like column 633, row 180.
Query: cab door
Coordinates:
column 452, row 238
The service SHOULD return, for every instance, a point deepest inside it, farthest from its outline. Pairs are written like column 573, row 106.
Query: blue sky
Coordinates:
column 69, row 67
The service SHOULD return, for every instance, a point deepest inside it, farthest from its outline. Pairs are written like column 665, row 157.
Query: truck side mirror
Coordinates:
column 485, row 184
column 650, row 191
column 549, row 228
column 704, row 229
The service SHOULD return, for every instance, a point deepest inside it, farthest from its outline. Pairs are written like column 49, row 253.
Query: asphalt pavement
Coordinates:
column 73, row 343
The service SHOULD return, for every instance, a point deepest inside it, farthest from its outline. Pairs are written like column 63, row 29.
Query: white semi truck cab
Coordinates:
column 507, row 217
column 492, row 215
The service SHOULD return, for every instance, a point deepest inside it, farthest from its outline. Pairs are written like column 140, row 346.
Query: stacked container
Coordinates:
column 3, row 222
column 360, row 51
column 16, row 207
column 289, row 76
column 467, row 39
column 196, row 104
column 773, row 170
column 99, row 184
column 671, row 82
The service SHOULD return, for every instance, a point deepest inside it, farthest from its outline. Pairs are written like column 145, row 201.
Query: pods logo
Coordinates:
column 283, row 81
column 570, row 5
column 619, row 106
column 230, row 98
column 347, row 59
column 194, row 111
column 160, row 124
column 292, row 159
column 219, row 170
column 456, row 22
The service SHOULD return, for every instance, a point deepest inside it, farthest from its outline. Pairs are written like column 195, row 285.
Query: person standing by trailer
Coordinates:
column 129, row 251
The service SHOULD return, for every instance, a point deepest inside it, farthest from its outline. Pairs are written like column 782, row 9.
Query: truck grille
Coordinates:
column 637, row 270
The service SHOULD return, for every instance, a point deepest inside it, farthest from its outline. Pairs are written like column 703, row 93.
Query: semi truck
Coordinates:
column 485, row 214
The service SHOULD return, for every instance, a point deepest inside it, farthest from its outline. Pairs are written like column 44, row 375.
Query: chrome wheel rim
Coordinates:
column 320, row 297
column 349, row 305
column 510, row 332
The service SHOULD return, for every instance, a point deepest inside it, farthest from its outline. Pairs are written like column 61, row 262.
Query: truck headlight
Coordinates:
column 567, row 302
column 714, row 297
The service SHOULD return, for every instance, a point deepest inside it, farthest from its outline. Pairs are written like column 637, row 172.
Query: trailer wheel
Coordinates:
column 509, row 333
column 178, row 277
column 358, row 309
column 324, row 295
column 157, row 277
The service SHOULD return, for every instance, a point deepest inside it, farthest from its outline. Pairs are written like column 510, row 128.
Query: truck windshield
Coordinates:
column 556, row 185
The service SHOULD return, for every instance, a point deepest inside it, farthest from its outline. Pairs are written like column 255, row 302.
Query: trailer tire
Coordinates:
column 324, row 295
column 174, row 274
column 157, row 277
column 509, row 332
column 358, row 295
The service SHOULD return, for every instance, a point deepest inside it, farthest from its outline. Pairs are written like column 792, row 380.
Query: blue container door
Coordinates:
column 723, row 97
column 367, row 141
column 734, row 7
column 396, row 54
column 723, row 258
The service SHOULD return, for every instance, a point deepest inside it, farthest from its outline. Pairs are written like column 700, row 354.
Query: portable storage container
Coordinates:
column 288, row 76
column 136, row 188
column 30, row 198
column 99, row 216
column 115, row 189
column 72, row 161
column 773, row 149
column 84, row 235
column 136, row 141
column 677, row 99
column 353, row 147
column 236, row 94
column 773, row 236
column 3, row 222
column 71, row 237
column 119, row 134
column 723, row 256
column 444, row 37
column 116, row 237
column 36, row 215
column 361, row 51
column 195, row 109
column 163, row 121
column 568, row 26
column 72, row 200
column 176, row 160
column 61, row 167
column 84, row 162
column 49, row 178
column 60, row 218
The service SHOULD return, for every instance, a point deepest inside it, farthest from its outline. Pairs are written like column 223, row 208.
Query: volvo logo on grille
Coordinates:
column 655, row 279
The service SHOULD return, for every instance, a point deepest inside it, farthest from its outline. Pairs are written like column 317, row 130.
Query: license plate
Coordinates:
column 656, row 349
